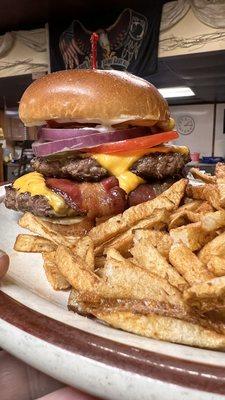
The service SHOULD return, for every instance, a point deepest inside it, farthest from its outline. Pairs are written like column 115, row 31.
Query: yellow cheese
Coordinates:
column 119, row 165
column 129, row 181
column 34, row 183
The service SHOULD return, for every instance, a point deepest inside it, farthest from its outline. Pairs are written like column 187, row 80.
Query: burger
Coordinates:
column 102, row 145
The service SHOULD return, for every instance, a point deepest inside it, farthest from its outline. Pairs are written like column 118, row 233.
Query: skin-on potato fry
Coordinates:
column 188, row 264
column 208, row 192
column 77, row 306
column 179, row 217
column 85, row 250
column 183, row 218
column 123, row 242
column 193, row 216
column 213, row 221
column 217, row 265
column 120, row 279
column 55, row 278
column 76, row 303
column 192, row 235
column 37, row 225
column 160, row 240
column 148, row 257
column 164, row 328
column 168, row 200
column 202, row 176
column 33, row 244
column 204, row 207
column 214, row 248
column 208, row 295
column 220, row 180
column 137, row 283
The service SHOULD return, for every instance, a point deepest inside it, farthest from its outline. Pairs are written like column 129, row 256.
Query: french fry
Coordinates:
column 37, row 225
column 55, row 278
column 73, row 268
column 208, row 192
column 203, row 208
column 33, row 244
column 75, row 305
column 168, row 200
column 120, row 279
column 220, row 180
column 160, row 240
column 99, row 262
column 148, row 257
column 85, row 250
column 213, row 221
column 164, row 328
column 206, row 178
column 192, row 235
column 135, row 282
column 213, row 196
column 123, row 242
column 207, row 296
column 188, row 264
column 196, row 192
column 179, row 217
column 193, row 216
column 215, row 247
column 217, row 265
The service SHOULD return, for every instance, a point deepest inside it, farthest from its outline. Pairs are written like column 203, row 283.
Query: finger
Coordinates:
column 4, row 263
column 68, row 393
column 19, row 381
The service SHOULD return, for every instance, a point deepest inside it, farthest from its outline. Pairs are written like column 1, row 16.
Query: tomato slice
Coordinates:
column 131, row 145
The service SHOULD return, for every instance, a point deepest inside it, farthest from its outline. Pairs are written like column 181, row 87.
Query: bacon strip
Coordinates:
column 94, row 199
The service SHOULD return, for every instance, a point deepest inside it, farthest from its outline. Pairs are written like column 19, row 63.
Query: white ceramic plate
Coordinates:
column 36, row 326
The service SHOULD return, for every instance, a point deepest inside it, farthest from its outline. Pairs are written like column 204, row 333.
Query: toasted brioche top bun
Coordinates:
column 92, row 96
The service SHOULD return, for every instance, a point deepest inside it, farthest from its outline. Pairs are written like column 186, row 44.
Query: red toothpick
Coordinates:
column 94, row 41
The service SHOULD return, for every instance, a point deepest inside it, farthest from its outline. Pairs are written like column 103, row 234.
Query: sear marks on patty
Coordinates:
column 79, row 169
column 158, row 166
column 37, row 205
column 148, row 191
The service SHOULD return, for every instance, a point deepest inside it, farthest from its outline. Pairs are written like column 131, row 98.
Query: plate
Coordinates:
column 36, row 327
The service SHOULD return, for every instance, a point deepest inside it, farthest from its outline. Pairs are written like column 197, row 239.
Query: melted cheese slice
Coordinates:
column 119, row 165
column 34, row 183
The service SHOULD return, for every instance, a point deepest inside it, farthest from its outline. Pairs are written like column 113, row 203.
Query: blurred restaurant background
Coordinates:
column 179, row 46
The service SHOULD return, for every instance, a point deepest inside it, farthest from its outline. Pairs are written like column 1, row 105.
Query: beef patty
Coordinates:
column 152, row 167
column 79, row 169
column 93, row 199
column 159, row 166
column 37, row 205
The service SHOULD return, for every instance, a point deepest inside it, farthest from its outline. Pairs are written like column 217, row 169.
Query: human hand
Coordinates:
column 4, row 263
column 19, row 381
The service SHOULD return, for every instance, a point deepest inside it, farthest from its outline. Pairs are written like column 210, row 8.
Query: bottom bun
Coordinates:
column 75, row 226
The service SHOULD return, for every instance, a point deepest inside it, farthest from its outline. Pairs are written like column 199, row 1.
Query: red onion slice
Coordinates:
column 42, row 149
column 52, row 134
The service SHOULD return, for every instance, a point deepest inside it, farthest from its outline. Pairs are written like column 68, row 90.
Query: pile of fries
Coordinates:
column 157, row 270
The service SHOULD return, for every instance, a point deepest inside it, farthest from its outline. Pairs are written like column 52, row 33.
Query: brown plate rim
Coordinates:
column 194, row 375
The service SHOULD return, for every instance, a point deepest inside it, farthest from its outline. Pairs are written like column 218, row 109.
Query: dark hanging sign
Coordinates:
column 130, row 44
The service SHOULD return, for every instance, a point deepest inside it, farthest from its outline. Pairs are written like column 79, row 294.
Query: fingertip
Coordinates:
column 4, row 263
